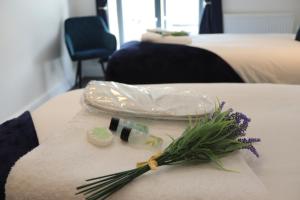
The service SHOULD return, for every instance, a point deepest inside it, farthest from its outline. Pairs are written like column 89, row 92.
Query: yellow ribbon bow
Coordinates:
column 152, row 163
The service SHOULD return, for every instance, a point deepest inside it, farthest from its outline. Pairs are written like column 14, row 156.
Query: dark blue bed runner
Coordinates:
column 17, row 137
column 145, row 62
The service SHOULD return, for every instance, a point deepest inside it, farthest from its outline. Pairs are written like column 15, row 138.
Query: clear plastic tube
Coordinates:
column 139, row 139
column 117, row 125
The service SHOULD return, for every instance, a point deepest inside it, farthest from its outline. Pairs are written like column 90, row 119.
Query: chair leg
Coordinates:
column 78, row 74
column 103, row 68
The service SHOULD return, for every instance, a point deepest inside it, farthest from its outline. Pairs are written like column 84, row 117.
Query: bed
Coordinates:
column 274, row 111
column 250, row 58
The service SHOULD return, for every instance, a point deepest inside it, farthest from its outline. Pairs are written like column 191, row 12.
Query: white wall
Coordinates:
column 248, row 6
column 34, row 64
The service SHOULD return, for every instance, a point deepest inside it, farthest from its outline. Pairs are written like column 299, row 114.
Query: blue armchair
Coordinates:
column 88, row 38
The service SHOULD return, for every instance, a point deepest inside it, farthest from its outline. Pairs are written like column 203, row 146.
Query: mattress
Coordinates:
column 274, row 110
column 257, row 58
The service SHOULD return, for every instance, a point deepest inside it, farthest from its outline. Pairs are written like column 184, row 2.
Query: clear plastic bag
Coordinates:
column 154, row 102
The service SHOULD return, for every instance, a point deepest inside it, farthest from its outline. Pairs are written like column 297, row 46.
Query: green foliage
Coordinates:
column 179, row 33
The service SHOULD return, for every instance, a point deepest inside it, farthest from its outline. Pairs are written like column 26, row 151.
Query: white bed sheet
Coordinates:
column 257, row 58
column 274, row 110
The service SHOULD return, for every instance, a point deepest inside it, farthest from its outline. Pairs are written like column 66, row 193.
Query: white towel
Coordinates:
column 158, row 38
column 53, row 170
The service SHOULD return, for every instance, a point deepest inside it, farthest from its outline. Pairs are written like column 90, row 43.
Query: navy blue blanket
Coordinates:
column 145, row 62
column 17, row 137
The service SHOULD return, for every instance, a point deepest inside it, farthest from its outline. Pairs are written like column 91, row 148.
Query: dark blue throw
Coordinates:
column 17, row 137
column 298, row 35
column 145, row 62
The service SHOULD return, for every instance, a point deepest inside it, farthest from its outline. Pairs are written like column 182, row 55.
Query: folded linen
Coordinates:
column 158, row 38
column 55, row 168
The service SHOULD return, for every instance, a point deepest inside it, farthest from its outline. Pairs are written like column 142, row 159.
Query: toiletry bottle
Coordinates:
column 138, row 139
column 117, row 125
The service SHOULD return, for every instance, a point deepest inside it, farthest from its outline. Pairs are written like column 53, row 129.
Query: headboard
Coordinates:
column 259, row 23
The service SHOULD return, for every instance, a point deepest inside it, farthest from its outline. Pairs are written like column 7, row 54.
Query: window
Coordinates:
column 129, row 19
column 138, row 15
column 181, row 15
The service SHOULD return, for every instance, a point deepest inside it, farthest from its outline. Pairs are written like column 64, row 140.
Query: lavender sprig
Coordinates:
column 208, row 139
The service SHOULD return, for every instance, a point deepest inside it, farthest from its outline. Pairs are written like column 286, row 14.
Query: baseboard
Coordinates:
column 56, row 90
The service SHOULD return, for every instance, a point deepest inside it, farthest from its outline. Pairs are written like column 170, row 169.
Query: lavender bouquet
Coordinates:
column 204, row 140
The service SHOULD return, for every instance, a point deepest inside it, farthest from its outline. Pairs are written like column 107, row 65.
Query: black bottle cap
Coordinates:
column 114, row 124
column 125, row 134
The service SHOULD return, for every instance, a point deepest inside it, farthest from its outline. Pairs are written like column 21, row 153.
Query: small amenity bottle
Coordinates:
column 117, row 125
column 141, row 140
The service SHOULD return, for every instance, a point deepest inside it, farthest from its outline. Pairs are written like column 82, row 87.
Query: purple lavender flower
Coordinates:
column 252, row 149
column 249, row 146
column 242, row 122
column 249, row 140
column 240, row 125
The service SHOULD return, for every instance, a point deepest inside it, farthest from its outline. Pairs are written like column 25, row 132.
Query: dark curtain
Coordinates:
column 101, row 10
column 212, row 18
